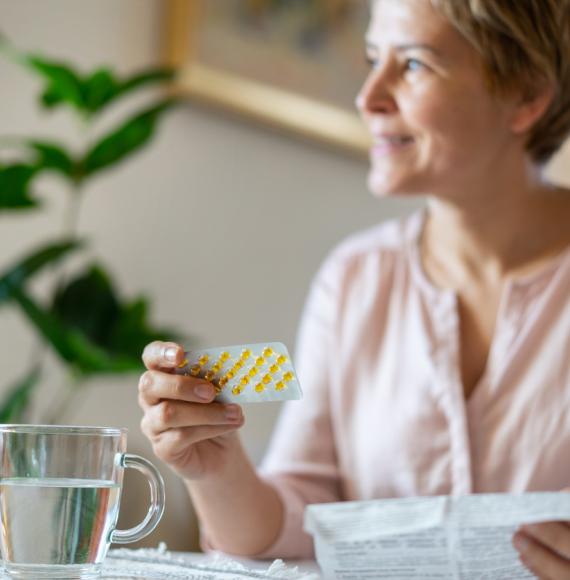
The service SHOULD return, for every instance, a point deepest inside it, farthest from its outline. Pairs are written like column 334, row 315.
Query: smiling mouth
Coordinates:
column 395, row 140
column 390, row 144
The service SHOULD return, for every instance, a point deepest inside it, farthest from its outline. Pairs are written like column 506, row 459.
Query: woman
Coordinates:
column 433, row 350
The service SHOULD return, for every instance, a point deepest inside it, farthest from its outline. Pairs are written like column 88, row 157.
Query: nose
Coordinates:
column 375, row 96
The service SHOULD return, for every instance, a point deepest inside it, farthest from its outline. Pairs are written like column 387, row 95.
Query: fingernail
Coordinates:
column 233, row 413
column 170, row 353
column 520, row 542
column 203, row 391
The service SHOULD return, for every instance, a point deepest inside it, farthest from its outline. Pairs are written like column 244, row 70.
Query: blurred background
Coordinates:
column 220, row 221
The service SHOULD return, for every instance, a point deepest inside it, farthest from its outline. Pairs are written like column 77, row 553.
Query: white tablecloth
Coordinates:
column 159, row 564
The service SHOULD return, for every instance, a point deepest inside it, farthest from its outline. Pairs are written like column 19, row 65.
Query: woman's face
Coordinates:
column 434, row 123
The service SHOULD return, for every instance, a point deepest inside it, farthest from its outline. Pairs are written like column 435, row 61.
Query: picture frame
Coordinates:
column 290, row 111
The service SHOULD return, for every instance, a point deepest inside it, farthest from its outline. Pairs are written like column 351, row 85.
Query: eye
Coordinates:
column 413, row 64
column 371, row 61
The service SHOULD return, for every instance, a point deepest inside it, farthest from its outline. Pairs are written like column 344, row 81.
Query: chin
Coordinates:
column 382, row 186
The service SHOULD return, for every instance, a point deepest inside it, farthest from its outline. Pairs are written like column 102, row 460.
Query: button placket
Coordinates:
column 453, row 401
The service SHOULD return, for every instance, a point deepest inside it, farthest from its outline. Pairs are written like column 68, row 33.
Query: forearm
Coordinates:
column 241, row 513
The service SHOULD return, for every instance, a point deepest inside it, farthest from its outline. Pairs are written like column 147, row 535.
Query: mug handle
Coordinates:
column 157, row 500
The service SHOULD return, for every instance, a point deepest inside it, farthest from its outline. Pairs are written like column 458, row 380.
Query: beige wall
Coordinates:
column 221, row 222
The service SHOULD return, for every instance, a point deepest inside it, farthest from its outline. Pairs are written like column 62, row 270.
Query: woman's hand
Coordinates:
column 188, row 431
column 545, row 549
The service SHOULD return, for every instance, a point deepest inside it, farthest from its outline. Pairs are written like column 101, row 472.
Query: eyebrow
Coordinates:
column 408, row 46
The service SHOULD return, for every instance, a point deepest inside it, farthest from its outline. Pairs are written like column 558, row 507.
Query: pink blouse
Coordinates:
column 384, row 414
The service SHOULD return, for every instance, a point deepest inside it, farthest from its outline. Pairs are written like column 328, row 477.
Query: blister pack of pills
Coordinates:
column 248, row 373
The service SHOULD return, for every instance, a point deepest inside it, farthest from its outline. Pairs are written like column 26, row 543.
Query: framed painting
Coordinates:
column 295, row 65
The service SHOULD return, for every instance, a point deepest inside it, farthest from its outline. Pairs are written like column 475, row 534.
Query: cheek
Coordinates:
column 459, row 127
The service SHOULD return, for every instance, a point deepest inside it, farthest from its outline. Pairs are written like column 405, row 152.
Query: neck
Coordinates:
column 496, row 228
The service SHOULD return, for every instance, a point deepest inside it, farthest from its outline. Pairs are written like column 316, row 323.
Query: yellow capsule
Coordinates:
column 260, row 388
column 216, row 367
column 195, row 370
column 237, row 390
column 230, row 375
column 238, row 364
column 223, row 381
column 273, row 369
column 209, row 375
column 288, row 376
column 203, row 359
column 224, row 356
column 281, row 359
column 244, row 381
column 246, row 353
column 252, row 371
column 217, row 389
column 267, row 352
column 266, row 379
column 259, row 361
column 279, row 386
column 183, row 363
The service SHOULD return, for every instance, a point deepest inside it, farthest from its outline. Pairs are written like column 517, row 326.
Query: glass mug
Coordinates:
column 60, row 489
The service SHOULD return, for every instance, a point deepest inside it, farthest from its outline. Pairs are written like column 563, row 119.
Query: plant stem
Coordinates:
column 70, row 231
column 63, row 402
column 71, row 224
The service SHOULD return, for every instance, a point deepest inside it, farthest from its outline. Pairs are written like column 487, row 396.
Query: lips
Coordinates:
column 392, row 140
column 389, row 144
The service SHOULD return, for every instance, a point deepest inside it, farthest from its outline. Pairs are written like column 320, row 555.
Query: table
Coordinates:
column 124, row 563
column 158, row 564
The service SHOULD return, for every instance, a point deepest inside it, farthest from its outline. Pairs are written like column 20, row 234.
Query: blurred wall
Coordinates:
column 221, row 222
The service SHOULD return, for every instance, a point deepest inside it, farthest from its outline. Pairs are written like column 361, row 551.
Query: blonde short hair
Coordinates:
column 524, row 44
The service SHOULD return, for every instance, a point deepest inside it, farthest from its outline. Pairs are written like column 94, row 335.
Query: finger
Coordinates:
column 173, row 414
column 171, row 445
column 155, row 386
column 162, row 355
column 553, row 535
column 540, row 560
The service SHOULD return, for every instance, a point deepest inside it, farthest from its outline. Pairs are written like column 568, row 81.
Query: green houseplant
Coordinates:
column 92, row 330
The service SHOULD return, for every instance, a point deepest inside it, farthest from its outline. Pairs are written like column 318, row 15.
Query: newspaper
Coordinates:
column 433, row 538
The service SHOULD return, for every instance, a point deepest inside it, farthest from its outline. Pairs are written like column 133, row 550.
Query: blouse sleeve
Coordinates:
column 301, row 461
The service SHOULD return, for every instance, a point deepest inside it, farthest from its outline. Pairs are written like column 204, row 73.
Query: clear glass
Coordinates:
column 60, row 490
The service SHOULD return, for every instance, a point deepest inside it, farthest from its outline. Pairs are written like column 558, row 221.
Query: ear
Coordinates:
column 530, row 110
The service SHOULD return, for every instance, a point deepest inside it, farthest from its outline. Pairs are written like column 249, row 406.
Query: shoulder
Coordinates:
column 383, row 247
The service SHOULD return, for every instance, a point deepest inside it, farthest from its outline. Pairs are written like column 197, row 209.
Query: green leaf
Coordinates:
column 18, row 274
column 16, row 402
column 71, row 345
column 125, row 140
column 102, row 88
column 148, row 77
column 14, row 186
column 52, row 156
column 132, row 331
column 63, row 83
column 87, row 94
column 99, row 89
column 88, row 304
column 49, row 99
